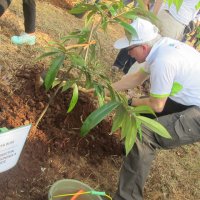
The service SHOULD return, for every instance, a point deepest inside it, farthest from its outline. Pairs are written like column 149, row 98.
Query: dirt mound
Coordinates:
column 55, row 149
column 65, row 4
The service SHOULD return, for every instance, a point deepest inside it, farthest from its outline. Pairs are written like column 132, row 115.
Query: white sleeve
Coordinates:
column 161, row 78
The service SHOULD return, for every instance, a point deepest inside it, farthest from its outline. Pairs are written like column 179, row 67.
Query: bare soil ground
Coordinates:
column 55, row 150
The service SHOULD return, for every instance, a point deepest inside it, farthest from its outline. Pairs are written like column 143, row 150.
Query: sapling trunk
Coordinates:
column 47, row 106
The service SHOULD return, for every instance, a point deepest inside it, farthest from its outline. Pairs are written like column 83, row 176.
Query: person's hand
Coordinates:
column 107, row 92
column 90, row 92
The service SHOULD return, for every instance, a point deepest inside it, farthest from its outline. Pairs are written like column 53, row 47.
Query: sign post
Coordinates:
column 11, row 145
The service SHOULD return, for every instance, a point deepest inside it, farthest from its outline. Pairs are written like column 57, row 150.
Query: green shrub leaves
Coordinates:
column 53, row 70
column 97, row 116
column 76, row 53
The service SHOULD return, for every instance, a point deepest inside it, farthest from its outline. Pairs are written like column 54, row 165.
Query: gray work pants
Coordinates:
column 184, row 128
column 169, row 26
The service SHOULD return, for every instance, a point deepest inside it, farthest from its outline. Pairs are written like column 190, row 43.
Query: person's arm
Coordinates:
column 147, row 4
column 130, row 81
column 157, row 6
column 157, row 104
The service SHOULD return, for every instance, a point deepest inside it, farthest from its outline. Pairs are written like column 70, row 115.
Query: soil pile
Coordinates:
column 55, row 149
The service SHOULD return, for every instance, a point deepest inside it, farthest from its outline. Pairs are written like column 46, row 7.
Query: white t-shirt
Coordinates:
column 186, row 13
column 174, row 69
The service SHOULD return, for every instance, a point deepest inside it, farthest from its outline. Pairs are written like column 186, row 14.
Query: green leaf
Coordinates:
column 198, row 35
column 120, row 4
column 74, row 98
column 100, row 99
column 118, row 118
column 68, row 85
column 72, row 35
column 141, row 4
column 88, row 82
column 53, row 70
column 123, row 99
column 84, row 35
column 92, row 55
column 61, row 47
column 129, row 15
column 99, row 9
column 104, row 77
column 154, row 126
column 99, row 91
column 47, row 54
column 170, row 2
column 178, row 4
column 131, row 136
column 111, row 9
column 97, row 116
column 56, row 82
column 143, row 110
column 104, row 23
column 197, row 6
column 126, row 123
column 198, row 43
column 112, row 92
column 81, row 8
column 90, row 16
column 139, row 12
column 77, row 60
column 127, row 27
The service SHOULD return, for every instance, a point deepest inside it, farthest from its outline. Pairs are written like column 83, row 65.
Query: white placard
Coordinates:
column 11, row 144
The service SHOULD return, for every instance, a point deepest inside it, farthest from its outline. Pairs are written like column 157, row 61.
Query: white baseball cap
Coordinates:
column 146, row 31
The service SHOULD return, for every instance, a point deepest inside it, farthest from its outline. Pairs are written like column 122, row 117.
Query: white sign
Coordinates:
column 11, row 144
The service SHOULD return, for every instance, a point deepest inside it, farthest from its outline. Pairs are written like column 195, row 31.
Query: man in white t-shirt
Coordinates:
column 174, row 71
column 172, row 23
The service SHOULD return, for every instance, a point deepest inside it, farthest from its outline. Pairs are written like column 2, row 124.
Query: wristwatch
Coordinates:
column 130, row 101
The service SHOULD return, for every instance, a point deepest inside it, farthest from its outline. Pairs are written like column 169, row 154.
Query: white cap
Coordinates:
column 146, row 31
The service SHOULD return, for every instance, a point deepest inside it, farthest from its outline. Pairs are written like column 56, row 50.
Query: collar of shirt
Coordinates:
column 164, row 41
